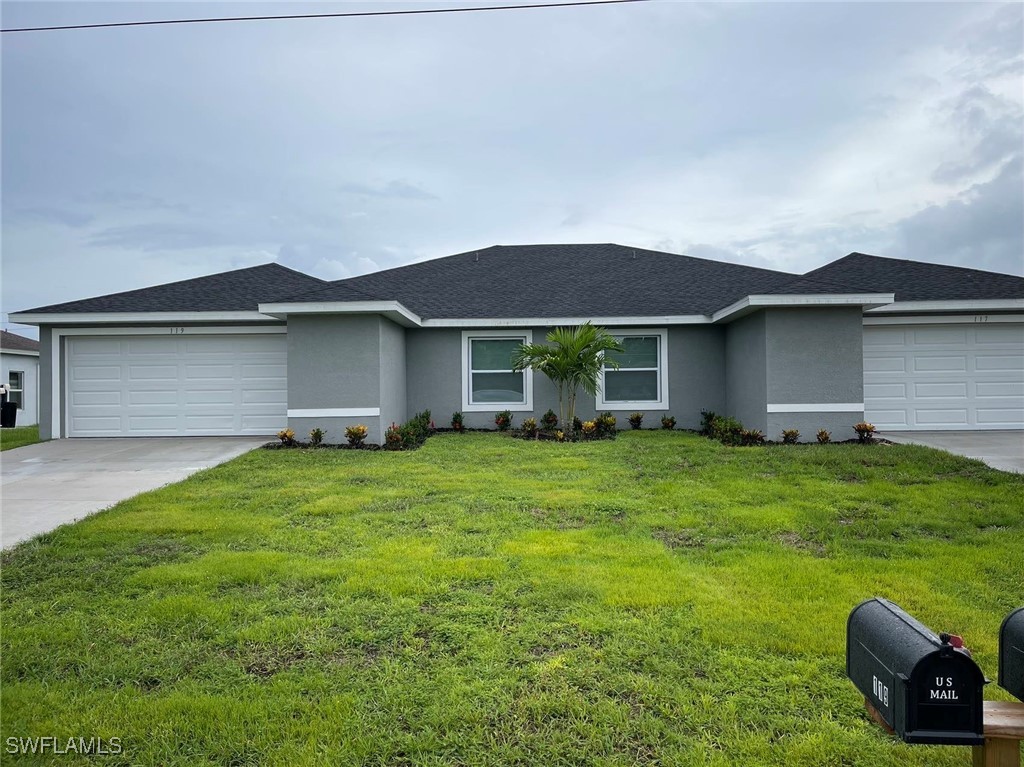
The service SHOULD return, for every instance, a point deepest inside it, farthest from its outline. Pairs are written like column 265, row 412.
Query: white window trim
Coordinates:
column 662, row 402
column 19, row 391
column 493, row 407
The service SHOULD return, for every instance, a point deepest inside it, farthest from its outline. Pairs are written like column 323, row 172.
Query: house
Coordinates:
column 19, row 369
column 904, row 344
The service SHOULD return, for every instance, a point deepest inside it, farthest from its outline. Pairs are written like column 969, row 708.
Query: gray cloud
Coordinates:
column 398, row 190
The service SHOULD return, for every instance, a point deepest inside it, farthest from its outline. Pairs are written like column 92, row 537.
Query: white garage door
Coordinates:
column 924, row 377
column 176, row 385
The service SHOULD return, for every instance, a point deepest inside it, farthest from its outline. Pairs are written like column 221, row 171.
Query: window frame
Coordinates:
column 662, row 402
column 19, row 391
column 468, row 406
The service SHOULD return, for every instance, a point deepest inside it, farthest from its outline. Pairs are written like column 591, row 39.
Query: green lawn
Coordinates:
column 18, row 437
column 660, row 599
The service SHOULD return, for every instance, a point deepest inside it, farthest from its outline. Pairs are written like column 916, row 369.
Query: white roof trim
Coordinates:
column 979, row 305
column 393, row 310
column 526, row 322
column 23, row 352
column 754, row 302
column 133, row 318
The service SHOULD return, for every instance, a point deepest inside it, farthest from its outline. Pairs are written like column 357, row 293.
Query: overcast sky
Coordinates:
column 779, row 135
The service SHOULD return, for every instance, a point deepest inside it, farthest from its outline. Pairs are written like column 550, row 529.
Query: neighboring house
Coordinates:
column 906, row 345
column 19, row 369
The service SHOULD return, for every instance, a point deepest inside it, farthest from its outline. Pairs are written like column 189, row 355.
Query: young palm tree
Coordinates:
column 572, row 358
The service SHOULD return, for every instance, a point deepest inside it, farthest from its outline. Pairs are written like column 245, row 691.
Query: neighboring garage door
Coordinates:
column 180, row 385
column 931, row 377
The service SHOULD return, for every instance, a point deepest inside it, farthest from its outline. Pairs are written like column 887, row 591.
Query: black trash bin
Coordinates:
column 8, row 415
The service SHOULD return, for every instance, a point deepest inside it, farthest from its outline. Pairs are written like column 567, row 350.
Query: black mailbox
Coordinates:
column 925, row 687
column 1011, row 653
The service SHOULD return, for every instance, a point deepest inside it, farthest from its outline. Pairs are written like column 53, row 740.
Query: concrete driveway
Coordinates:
column 50, row 484
column 999, row 449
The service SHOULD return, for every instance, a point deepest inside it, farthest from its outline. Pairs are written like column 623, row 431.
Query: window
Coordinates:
column 642, row 377
column 488, row 381
column 16, row 383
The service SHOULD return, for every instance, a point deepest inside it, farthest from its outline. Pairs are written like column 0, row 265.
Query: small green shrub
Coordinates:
column 865, row 432
column 577, row 425
column 529, row 427
column 393, row 438
column 356, row 434
column 751, row 437
column 549, row 421
column 707, row 422
column 790, row 436
column 668, row 422
column 503, row 420
column 457, row 421
column 636, row 420
column 824, row 436
column 728, row 431
column 287, row 437
column 316, row 436
column 605, row 425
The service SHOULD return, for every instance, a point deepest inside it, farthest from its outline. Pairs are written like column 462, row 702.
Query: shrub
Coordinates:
column 549, row 420
column 503, row 420
column 728, row 431
column 529, row 427
column 589, row 429
column 636, row 420
column 577, row 425
column 356, row 434
column 824, row 436
column 287, row 436
column 751, row 437
column 393, row 438
column 605, row 425
column 316, row 436
column 790, row 436
column 457, row 421
column 865, row 432
column 668, row 422
column 707, row 422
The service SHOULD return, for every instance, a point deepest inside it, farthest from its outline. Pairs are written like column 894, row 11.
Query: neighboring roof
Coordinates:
column 909, row 280
column 238, row 290
column 604, row 280
column 12, row 342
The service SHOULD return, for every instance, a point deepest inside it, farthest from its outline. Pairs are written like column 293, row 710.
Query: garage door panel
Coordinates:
column 940, row 390
column 1010, row 389
column 927, row 364
column 938, row 336
column 945, row 377
column 178, row 385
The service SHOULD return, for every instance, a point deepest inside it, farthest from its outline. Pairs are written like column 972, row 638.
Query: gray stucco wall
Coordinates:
column 46, row 425
column 392, row 373
column 815, row 357
column 696, row 357
column 746, row 389
column 334, row 361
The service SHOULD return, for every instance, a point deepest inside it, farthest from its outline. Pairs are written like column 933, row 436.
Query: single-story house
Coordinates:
column 19, row 369
column 904, row 344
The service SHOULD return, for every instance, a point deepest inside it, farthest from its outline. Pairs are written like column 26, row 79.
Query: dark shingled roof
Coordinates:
column 909, row 280
column 603, row 280
column 235, row 291
column 12, row 342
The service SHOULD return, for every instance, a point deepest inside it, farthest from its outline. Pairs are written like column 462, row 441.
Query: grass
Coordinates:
column 660, row 599
column 18, row 437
